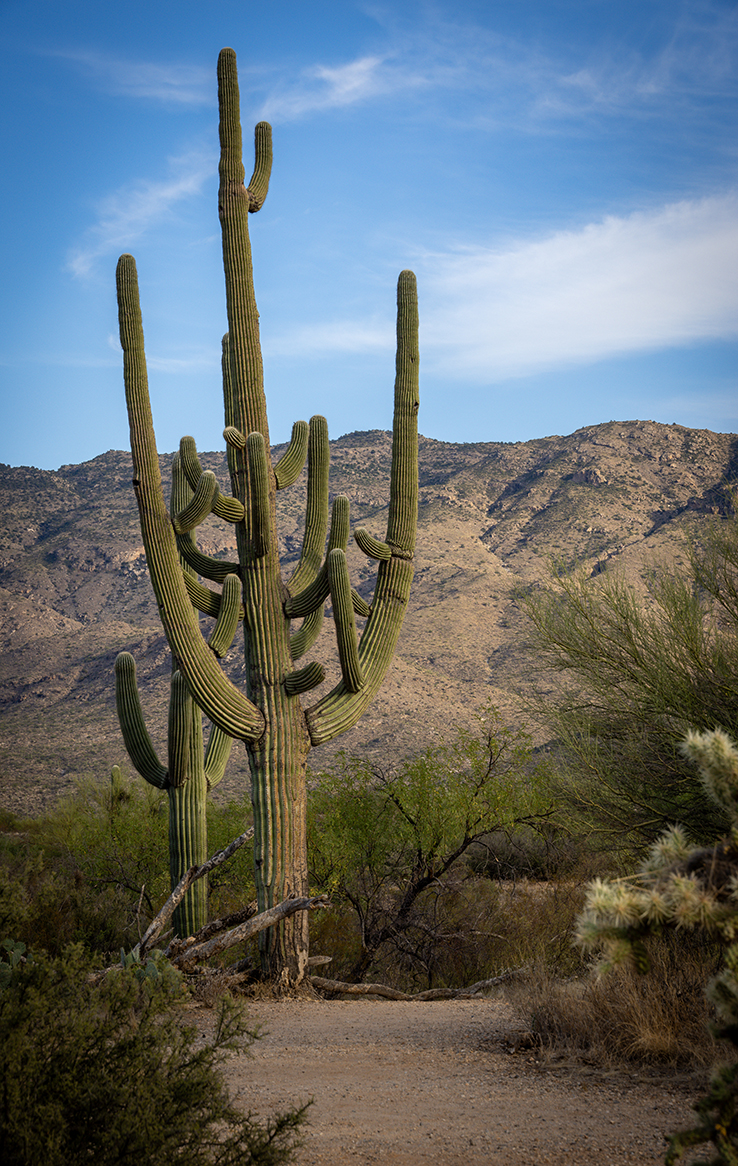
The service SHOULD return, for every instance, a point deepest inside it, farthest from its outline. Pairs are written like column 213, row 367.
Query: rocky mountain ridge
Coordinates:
column 74, row 588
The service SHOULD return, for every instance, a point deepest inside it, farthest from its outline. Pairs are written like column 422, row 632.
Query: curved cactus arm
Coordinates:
column 135, row 734
column 209, row 568
column 192, row 560
column 306, row 635
column 361, row 607
column 216, row 756
column 315, row 595
column 373, row 548
column 260, row 505
column 308, row 600
column 218, row 698
column 402, row 523
column 179, row 729
column 199, row 506
column 205, row 600
column 227, row 622
column 289, row 467
column 259, row 181
column 303, row 680
column 316, row 511
column 340, row 709
column 233, row 436
column 229, row 509
column 343, row 617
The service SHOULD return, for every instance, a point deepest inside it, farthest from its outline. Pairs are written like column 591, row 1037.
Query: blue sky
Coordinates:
column 561, row 174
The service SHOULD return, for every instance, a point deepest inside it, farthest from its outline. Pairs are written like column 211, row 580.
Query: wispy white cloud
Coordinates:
column 652, row 280
column 623, row 285
column 124, row 216
column 151, row 80
column 322, row 87
column 513, row 81
column 696, row 60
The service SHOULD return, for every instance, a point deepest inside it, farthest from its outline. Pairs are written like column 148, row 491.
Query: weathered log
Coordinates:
column 187, row 957
column 430, row 994
column 159, row 922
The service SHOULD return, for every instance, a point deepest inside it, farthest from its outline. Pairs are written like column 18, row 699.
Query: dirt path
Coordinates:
column 428, row 1084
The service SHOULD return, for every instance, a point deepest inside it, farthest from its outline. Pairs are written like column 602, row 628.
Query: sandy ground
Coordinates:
column 431, row 1084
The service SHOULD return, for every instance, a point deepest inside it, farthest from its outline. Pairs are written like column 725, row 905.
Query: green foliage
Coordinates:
column 94, row 869
column 382, row 842
column 638, row 674
column 108, row 1073
column 231, row 885
column 116, row 835
column 686, row 890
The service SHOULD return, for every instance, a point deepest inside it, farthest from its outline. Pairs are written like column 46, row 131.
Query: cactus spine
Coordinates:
column 270, row 718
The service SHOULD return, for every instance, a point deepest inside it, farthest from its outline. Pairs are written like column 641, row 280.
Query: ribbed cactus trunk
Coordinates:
column 269, row 718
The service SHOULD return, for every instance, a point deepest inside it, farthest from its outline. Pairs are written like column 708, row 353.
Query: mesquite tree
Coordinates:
column 270, row 716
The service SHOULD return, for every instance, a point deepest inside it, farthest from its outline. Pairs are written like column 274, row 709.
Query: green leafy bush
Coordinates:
column 94, row 870
column 389, row 846
column 108, row 1073
column 636, row 673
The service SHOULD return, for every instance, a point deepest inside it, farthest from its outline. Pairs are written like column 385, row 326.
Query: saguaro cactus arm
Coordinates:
column 245, row 401
column 229, row 613
column 341, row 708
column 219, row 699
column 343, row 617
column 132, row 725
column 229, row 509
column 216, row 756
column 316, row 512
column 289, row 467
column 259, row 481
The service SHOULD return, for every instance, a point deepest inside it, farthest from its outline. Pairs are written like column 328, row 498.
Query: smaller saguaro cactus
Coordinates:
column 687, row 889
column 192, row 769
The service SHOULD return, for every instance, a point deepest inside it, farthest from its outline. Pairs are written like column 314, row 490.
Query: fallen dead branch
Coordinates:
column 159, row 922
column 430, row 994
column 185, row 954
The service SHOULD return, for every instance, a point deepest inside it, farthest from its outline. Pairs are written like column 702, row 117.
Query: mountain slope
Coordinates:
column 74, row 589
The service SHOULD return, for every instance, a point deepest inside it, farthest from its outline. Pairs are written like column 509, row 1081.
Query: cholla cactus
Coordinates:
column 686, row 889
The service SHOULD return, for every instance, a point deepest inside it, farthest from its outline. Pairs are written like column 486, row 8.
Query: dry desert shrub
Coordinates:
column 463, row 928
column 659, row 1018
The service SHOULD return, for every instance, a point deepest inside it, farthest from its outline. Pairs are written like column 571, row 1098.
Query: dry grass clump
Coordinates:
column 659, row 1018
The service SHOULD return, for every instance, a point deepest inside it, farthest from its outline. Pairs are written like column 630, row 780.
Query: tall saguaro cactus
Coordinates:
column 270, row 716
